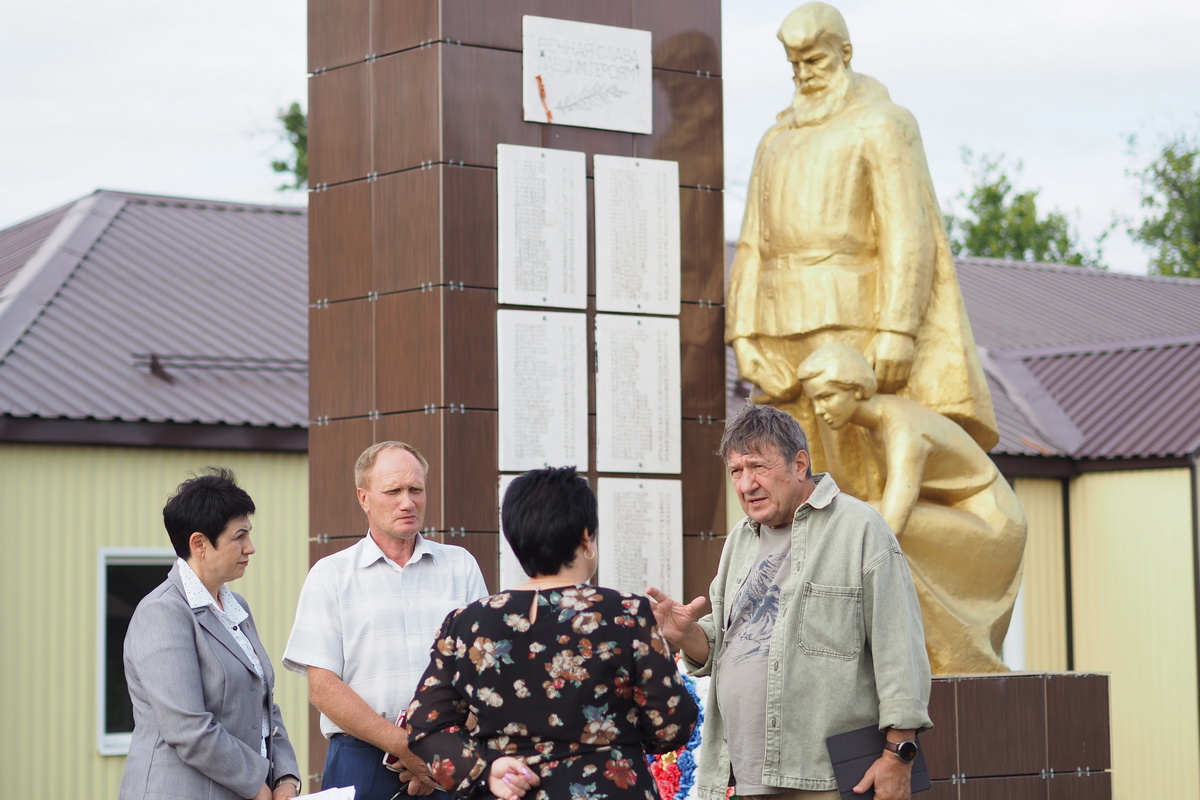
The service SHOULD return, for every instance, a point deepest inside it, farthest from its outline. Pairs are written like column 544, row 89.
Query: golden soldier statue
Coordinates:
column 843, row 241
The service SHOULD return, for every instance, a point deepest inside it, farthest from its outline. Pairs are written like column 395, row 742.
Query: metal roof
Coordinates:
column 1106, row 365
column 1129, row 402
column 22, row 240
column 143, row 308
column 1018, row 436
column 1022, row 305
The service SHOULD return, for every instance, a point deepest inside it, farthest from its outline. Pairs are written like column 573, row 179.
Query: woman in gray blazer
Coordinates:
column 206, row 725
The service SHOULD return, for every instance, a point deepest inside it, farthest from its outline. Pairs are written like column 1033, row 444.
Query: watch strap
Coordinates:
column 908, row 754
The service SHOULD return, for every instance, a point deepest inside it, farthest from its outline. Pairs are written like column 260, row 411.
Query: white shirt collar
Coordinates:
column 198, row 597
column 371, row 552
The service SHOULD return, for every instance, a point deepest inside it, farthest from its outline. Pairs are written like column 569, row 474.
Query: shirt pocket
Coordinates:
column 831, row 621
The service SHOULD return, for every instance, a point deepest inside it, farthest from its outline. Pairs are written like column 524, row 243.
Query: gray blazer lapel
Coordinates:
column 256, row 643
column 208, row 620
column 215, row 628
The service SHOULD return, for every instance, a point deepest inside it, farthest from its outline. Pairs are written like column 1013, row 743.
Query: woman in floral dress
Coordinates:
column 570, row 685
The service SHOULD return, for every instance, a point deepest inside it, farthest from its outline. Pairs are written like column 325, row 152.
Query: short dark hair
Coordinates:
column 206, row 504
column 752, row 428
column 544, row 515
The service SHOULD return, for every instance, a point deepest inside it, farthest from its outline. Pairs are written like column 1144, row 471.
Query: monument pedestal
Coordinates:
column 1019, row 736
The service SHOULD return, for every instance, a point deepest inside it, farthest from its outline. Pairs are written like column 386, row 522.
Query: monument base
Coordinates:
column 1019, row 736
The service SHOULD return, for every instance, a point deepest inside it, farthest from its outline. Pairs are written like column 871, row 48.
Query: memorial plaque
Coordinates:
column 637, row 235
column 542, row 226
column 542, row 389
column 511, row 574
column 641, row 534
column 637, row 394
column 586, row 75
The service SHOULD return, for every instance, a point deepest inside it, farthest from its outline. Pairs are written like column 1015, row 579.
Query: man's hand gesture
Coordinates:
column 677, row 623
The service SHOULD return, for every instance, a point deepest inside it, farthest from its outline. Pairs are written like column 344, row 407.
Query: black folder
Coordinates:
column 854, row 752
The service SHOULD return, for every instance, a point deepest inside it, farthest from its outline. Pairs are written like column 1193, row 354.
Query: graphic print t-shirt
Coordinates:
column 742, row 662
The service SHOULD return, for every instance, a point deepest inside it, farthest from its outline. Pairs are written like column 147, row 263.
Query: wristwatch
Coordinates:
column 906, row 751
column 293, row 780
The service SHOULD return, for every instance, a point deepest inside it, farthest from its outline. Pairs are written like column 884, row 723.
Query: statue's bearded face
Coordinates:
column 817, row 66
column 822, row 79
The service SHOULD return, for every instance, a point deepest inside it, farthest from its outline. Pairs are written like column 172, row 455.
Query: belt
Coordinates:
column 861, row 262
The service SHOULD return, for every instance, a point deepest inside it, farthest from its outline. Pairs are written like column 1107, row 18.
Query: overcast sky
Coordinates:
column 179, row 98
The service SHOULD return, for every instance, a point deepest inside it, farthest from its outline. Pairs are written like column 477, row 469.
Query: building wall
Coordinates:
column 1134, row 605
column 61, row 504
column 1043, row 587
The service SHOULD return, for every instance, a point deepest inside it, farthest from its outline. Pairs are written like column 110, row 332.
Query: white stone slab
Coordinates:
column 641, row 534
column 541, row 211
column 542, row 389
column 587, row 75
column 637, row 235
column 638, row 405
column 511, row 574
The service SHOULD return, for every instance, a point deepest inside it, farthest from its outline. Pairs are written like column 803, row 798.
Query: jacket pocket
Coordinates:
column 831, row 620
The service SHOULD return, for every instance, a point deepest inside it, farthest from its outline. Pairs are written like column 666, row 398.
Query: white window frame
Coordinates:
column 115, row 744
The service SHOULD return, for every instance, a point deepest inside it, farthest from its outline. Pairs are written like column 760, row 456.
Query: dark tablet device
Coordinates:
column 853, row 753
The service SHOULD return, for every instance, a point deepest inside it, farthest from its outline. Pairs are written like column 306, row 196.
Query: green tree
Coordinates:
column 1002, row 223
column 1171, row 194
column 295, row 132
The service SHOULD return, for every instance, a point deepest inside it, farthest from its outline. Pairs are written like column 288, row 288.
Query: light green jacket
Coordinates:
column 847, row 650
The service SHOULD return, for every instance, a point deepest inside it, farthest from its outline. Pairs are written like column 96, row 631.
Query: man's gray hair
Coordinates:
column 753, row 428
column 366, row 461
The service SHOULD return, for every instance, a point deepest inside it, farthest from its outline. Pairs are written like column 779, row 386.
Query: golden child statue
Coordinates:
column 957, row 520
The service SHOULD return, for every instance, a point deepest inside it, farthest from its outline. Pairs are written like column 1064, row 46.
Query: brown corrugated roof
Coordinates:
column 1016, row 305
column 22, row 240
column 1138, row 401
column 1108, row 364
column 142, row 308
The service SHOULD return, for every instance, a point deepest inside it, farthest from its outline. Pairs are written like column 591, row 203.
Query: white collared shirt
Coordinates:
column 372, row 622
column 232, row 616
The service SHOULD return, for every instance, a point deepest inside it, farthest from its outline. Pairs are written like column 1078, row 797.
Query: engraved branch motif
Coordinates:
column 598, row 94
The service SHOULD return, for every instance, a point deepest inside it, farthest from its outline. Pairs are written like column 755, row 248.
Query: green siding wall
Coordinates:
column 58, row 506
column 1044, row 582
column 1134, row 606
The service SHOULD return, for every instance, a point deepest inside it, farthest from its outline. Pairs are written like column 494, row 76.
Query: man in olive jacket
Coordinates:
column 815, row 628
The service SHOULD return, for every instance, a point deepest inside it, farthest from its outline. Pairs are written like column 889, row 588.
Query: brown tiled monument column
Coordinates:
column 408, row 100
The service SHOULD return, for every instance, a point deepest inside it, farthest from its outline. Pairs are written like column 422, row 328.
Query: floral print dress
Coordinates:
column 581, row 694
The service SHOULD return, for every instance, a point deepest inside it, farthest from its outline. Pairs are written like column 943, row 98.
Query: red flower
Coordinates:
column 443, row 773
column 667, row 777
column 620, row 772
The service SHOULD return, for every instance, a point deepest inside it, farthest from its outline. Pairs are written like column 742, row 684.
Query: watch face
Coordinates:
column 907, row 751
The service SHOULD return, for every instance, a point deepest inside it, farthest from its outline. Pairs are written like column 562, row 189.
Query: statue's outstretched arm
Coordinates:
column 905, row 454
